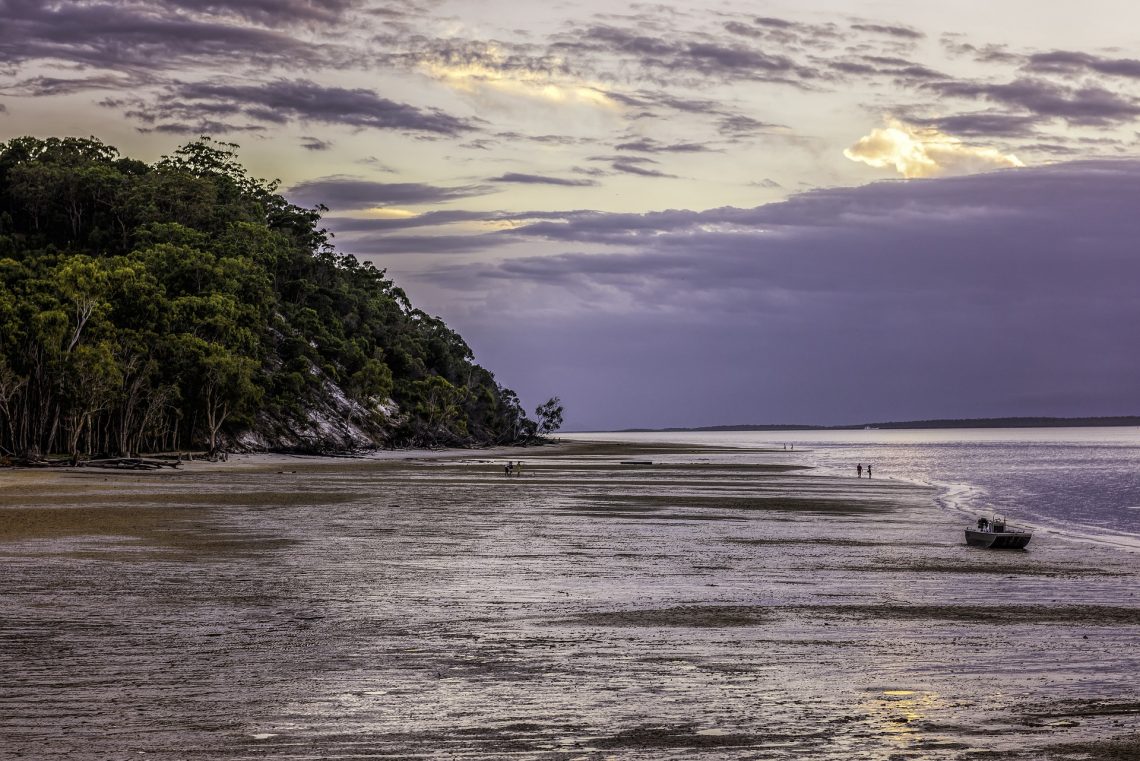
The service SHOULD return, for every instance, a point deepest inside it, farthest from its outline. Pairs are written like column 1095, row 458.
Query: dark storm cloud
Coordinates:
column 984, row 295
column 538, row 179
column 1086, row 106
column 1071, row 62
column 282, row 101
column 345, row 193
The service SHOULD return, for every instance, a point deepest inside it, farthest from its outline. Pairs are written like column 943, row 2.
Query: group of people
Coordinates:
column 859, row 470
column 513, row 468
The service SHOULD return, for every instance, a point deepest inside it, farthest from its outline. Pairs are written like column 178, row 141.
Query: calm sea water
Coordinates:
column 1080, row 482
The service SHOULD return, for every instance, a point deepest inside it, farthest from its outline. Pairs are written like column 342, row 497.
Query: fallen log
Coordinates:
column 130, row 463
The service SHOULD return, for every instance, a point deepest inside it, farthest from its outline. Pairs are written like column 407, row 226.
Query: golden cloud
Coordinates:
column 918, row 152
column 493, row 73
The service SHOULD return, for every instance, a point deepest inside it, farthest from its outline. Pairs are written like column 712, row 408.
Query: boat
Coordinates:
column 993, row 534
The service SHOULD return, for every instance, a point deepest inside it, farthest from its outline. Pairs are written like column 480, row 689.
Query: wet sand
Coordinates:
column 712, row 605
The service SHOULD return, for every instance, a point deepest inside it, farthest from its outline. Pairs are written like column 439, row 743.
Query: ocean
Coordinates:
column 1082, row 483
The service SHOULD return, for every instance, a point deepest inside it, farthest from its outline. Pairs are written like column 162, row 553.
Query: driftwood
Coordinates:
column 130, row 463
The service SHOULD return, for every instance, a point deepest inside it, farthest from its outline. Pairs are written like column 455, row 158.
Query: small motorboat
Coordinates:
column 993, row 534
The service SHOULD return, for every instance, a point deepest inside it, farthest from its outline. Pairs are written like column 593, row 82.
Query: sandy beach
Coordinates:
column 423, row 604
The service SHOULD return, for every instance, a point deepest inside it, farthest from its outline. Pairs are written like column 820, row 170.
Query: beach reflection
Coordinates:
column 898, row 713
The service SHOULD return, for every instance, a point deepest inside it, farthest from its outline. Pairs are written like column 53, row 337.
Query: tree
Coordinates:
column 549, row 415
column 163, row 305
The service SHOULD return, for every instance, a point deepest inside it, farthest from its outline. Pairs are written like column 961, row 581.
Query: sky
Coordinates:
column 675, row 214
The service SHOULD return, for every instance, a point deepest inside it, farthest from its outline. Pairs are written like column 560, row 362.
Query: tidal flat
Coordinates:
column 711, row 605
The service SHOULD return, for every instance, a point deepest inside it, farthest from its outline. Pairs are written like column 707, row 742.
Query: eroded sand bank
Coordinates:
column 713, row 604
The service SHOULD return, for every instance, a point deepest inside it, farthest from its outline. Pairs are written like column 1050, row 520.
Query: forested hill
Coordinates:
column 184, row 304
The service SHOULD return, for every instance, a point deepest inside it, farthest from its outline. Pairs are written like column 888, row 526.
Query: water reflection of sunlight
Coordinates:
column 897, row 712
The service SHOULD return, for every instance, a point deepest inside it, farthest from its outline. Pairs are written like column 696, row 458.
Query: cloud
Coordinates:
column 282, row 101
column 142, row 36
column 901, row 70
column 536, row 179
column 629, row 166
column 684, row 56
column 1086, row 106
column 996, row 294
column 310, row 143
column 395, row 245
column 41, row 86
column 435, row 219
column 272, row 12
column 1070, row 62
column 739, row 125
column 649, row 145
column 310, row 102
column 903, row 32
column 496, row 67
column 984, row 123
column 915, row 152
column 346, row 193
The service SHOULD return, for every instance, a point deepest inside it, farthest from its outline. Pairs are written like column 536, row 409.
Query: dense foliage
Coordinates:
column 184, row 304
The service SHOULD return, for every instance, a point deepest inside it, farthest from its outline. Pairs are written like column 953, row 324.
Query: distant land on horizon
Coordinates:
column 995, row 422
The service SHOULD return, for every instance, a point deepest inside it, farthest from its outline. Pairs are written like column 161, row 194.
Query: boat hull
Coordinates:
column 998, row 540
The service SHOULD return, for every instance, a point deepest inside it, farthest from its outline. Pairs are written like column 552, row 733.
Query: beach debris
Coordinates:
column 131, row 463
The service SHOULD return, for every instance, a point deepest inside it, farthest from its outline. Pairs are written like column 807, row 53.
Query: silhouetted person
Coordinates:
column 508, row 468
column 868, row 471
column 859, row 470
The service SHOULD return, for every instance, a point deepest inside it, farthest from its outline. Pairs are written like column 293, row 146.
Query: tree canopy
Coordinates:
column 184, row 304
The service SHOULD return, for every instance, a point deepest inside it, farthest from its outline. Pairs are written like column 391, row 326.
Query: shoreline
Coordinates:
column 961, row 497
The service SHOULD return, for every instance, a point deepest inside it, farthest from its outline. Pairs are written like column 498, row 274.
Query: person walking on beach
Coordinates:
column 508, row 468
column 859, row 470
column 518, row 468
column 868, row 470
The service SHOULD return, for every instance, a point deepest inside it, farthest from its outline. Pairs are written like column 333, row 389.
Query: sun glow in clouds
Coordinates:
column 496, row 74
column 917, row 152
column 388, row 212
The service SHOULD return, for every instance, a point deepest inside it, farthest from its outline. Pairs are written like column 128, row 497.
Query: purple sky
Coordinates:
column 682, row 214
